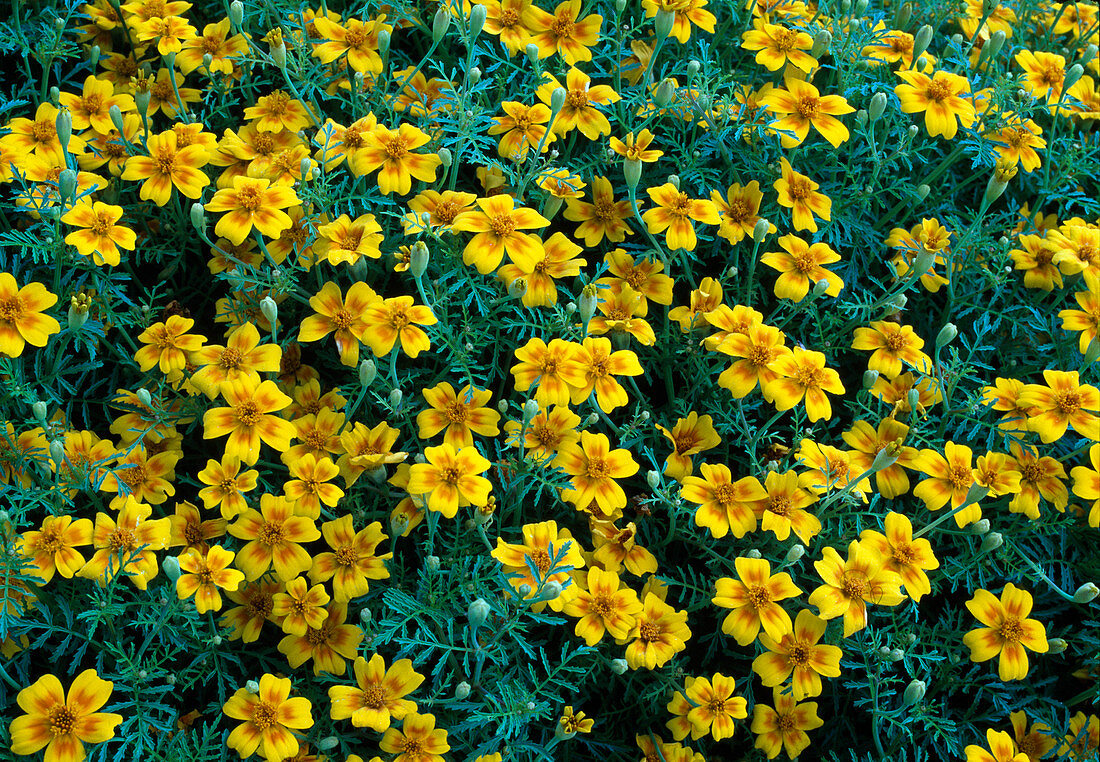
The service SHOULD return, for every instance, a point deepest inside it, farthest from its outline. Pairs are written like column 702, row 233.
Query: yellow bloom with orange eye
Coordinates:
column 784, row 726
column 418, row 740
column 348, row 318
column 593, row 367
column 99, row 237
column 1007, row 632
column 242, row 356
column 92, row 107
column 892, row 344
column 1077, row 247
column 354, row 559
column 189, row 530
column 545, row 434
column 1001, row 749
column 739, row 211
column 867, row 442
column 353, row 38
column 1063, row 402
column 168, row 166
column 168, row 346
column 521, row 128
column 1087, row 319
column 563, row 31
column 941, row 99
column 63, row 725
column 203, row 574
column 828, row 468
column 274, row 534
column 644, row 275
column 255, row 601
column 674, row 213
column 52, row 548
column 1044, row 74
column 300, row 607
column 685, row 14
column 462, row 414
column 689, row 436
column 125, row 546
column 367, row 449
column 1083, row 737
column 347, row 241
column 593, row 467
column 505, row 19
column 38, row 136
column 754, row 599
column 799, row 655
column 398, row 318
column 801, row 106
column 702, row 303
column 170, row 32
column 1017, row 140
column 496, row 224
column 800, row 264
column 636, row 149
column 542, row 365
column 799, row 193
column 784, row 507
column 249, row 419
column 850, row 585
column 621, row 310
column 441, row 209
column 1035, row 743
column 545, row 549
column 450, row 479
column 714, row 707
column 896, row 392
column 310, row 486
column 270, row 717
column 1040, row 477
column 337, row 144
column 278, row 112
column 904, row 556
column 997, row 472
column 1086, row 484
column 252, row 203
column 777, row 46
column 392, row 152
column 581, row 99
column 950, row 477
column 660, row 633
column 380, row 696
column 21, row 318
column 802, row 374
column 539, row 269
column 604, row 605
column 215, row 42
column 724, row 505
column 144, row 477
column 225, row 485
column 757, row 349
column 615, row 548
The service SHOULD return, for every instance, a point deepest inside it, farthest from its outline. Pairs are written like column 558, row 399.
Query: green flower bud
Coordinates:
column 432, row 563
column 328, row 743
column 665, row 92
column 822, row 40
column 619, row 666
column 1056, row 645
column 462, row 691
column 996, row 42
column 236, row 13
column 869, row 378
column 252, row 687
column 384, row 43
column 171, row 568
column 66, row 185
column 532, row 51
column 877, row 106
column 440, row 23
column 64, row 126
column 761, row 229
column 144, row 397
column 368, row 371
column 39, row 410
column 517, row 289
column 1073, row 74
column 921, row 41
column 478, row 611
column 445, row 157
column 981, row 526
column 861, row 118
column 589, row 297
column 653, row 479
column 474, row 75
column 530, row 410
column 820, row 288
column 663, row 22
column 269, row 309
column 557, row 99
column 905, row 13
column 991, row 542
column 946, row 335
column 1086, row 593
column 395, row 398
column 753, row 553
column 478, row 14
column 57, row 453
column 198, row 217
column 418, row 259
column 632, row 172
column 794, row 554
column 914, row 692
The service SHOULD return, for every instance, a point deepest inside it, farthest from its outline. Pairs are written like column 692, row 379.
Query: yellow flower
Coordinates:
column 593, row 367
column 660, row 633
column 168, row 346
column 606, row 605
column 801, row 106
column 689, row 436
column 777, row 46
column 379, row 697
column 940, row 98
column 802, row 374
column 462, row 414
column 593, row 467
column 392, row 152
column 784, row 727
column 724, row 505
column 1000, row 744
column 53, row 547
column 63, row 725
column 249, row 419
column 799, row 193
column 800, row 264
column 99, row 237
column 418, row 740
column 903, row 555
column 673, row 215
column 798, row 653
column 564, row 31
column 252, row 203
column 891, row 344
column 203, row 575
column 850, row 585
column 450, row 479
column 754, row 599
column 273, row 536
column 132, row 530
column 169, row 166
column 21, row 318
column 354, row 559
column 270, row 716
column 1007, row 631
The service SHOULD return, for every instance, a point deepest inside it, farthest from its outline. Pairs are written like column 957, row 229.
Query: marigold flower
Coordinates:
column 462, row 414
column 252, row 202
column 354, row 559
column 802, row 374
column 256, row 600
column 689, row 436
column 92, row 107
column 903, row 555
column 52, row 548
column 226, row 485
column 278, row 112
column 215, row 42
column 644, row 275
column 685, row 14
column 397, row 318
column 542, row 365
column 249, row 419
column 347, row 241
column 545, row 434
column 739, row 211
column 204, row 574
column 714, row 706
column 1044, row 73
column 997, row 472
column 758, row 350
column 329, row 646
column 1035, row 743
column 593, row 367
column 117, row 544
column 621, row 311
column 187, row 528
column 1017, row 140
column 346, row 317
column 801, row 106
column 367, row 449
column 392, row 152
column 300, row 607
column 605, row 605
column 799, row 193
column 593, row 467
column 168, row 346
column 1000, row 744
column 1087, row 319
column 892, row 344
column 63, row 725
column 603, row 218
column 521, row 128
column 940, row 98
column 581, row 99
column 356, row 39
column 724, row 505
column 380, row 696
column 270, row 716
column 1086, row 484
column 273, row 533
column 784, row 508
column 1083, row 738
column 310, row 486
column 539, row 269
column 99, row 237
column 798, row 653
column 673, row 214
column 545, row 549
column 169, row 31
column 1007, row 631
column 799, row 264
column 564, row 31
column 450, row 479
column 784, row 727
column 418, row 740
column 1040, row 477
column 949, row 479
column 1061, row 403
column 754, row 599
column 616, row 548
column 21, row 318
column 777, row 46
column 850, row 585
column 38, row 136
column 243, row 356
column 660, row 633
column 169, row 166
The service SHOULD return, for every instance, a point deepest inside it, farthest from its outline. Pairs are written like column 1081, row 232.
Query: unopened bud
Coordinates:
column 753, row 553
column 395, row 398
column 693, row 67
column 503, row 406
column 664, row 94
column 592, row 419
column 923, row 262
column 859, row 7
column 674, row 181
column 946, row 335
column 794, row 554
column 905, row 13
column 996, row 42
column 869, row 378
column 653, row 479
column 517, row 289
column 474, row 75
column 981, row 526
column 619, row 666
column 55, row 96
column 663, row 22
column 822, row 40
column 994, row 188
column 207, row 61
column 171, row 568
column 632, row 172
column 820, row 288
column 761, row 229
column 975, row 494
column 116, row 118
column 39, row 410
column 252, row 687
column 1056, row 645
column 418, row 259
column 914, row 692
column 236, row 13
column 557, row 99
column 328, row 743
column 1086, row 593
column 1089, row 55
column 432, row 563
column 445, row 157
column 885, row 458
column 478, row 14
column 365, row 616
column 589, row 297
column 532, row 51
column 198, row 217
column 440, row 22
column 877, row 106
column 1073, row 75
column 479, row 610
column 66, row 185
column 462, row 691
column 64, row 126
column 921, row 41
column 368, row 371
column 861, row 118
column 269, row 309
column 551, row 591
column 384, row 42
column 912, row 398
column 1092, row 352
column 57, row 452
column 991, row 542
column 530, row 410
column 144, row 397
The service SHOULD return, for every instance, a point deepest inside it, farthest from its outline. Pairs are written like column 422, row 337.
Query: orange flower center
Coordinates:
column 355, row 38
column 263, row 144
column 247, row 413
column 904, row 554
column 133, row 476
column 398, row 319
column 759, row 597
column 101, row 225
column 277, row 103
column 1031, row 471
column 938, row 90
column 342, row 319
column 597, row 368
column 263, row 715
column 807, row 106
column 726, row 494
column 649, row 632
column 450, row 474
column 228, row 486
column 49, row 542
column 780, row 505
column 205, row 575
column 259, row 605
column 374, row 697
column 760, row 356
column 895, row 340
column 1011, row 630
column 563, row 25
column 808, row 376
column 601, row 605
column 11, row 310
column 315, row 440
column 799, row 188
column 738, row 211
column 784, row 723
column 446, row 211
column 353, row 138
column 502, row 224
column 412, row 748
column 44, row 131
column 346, row 555
column 597, row 468
column 250, row 198
column 61, row 719
column 211, row 45
column 162, row 91
column 541, row 559
column 855, row 586
column 960, row 476
column 231, row 358
column 271, row 533
column 396, row 147
column 92, row 103
column 121, row 539
column 1067, row 402
column 804, row 262
column 455, row 412
column 785, row 40
column 192, row 533
column 1052, row 75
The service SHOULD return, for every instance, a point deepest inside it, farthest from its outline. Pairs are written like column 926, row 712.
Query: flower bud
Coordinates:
column 1089, row 55
column 474, row 75
column 478, row 14
column 996, row 42
column 368, row 371
column 665, row 92
column 1092, row 352
column 820, row 287
column 1073, row 75
column 269, row 309
column 395, row 398
column 905, row 13
column 975, row 494
column 822, row 40
column 895, row 654
column 432, row 563
column 116, row 119
column 39, row 410
column 384, row 43
column 171, row 568
column 619, row 666
column 898, row 302
column 532, row 51
column 328, row 743
column 207, row 61
column 66, row 185
column 440, row 22
column 64, row 126
column 981, row 526
column 753, row 553
column 861, row 118
column 524, row 590
column 923, row 262
column 859, row 7
column 365, row 616
column 885, row 458
column 588, row 301
column 653, row 479
column 418, row 259
column 198, row 217
column 877, row 107
column 462, row 691
column 252, row 687
column 693, row 67
column 912, row 131
column 517, row 289
column 550, row 592
column 144, row 397
column 55, row 96
column 794, row 554
column 1086, row 593
column 445, row 158
column 869, row 378
column 914, row 692
column 632, row 172
column 991, row 542
column 592, row 419
column 912, row 397
column 921, row 41
column 663, row 22
column 761, row 229
column 503, row 406
column 57, row 452
column 479, row 610
column 530, row 410
column 674, row 181
column 946, row 335
column 998, row 182
column 557, row 99
column 1056, row 645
